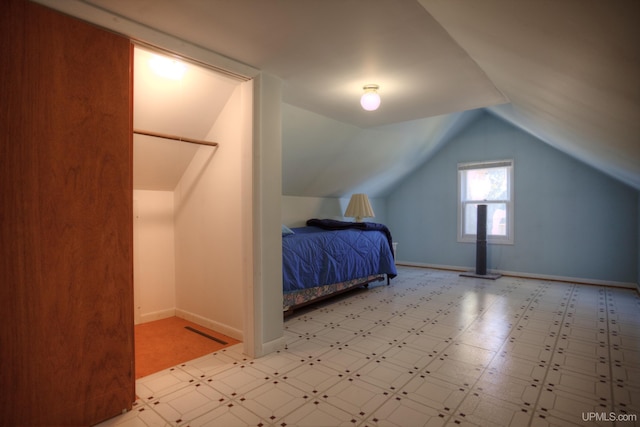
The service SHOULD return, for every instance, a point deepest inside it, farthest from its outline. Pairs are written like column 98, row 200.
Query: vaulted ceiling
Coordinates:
column 566, row 71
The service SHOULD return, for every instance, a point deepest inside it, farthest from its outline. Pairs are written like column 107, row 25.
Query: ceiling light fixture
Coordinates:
column 167, row 67
column 370, row 100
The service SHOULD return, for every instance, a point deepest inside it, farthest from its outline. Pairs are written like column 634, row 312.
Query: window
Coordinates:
column 491, row 184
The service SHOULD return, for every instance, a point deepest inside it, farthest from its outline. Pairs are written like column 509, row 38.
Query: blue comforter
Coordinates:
column 314, row 256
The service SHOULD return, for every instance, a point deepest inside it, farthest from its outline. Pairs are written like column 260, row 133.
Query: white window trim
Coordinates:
column 471, row 238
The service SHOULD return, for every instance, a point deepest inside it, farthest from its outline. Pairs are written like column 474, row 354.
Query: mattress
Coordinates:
column 313, row 256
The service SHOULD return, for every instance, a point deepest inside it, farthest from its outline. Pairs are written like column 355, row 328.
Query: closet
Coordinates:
column 67, row 233
column 187, row 206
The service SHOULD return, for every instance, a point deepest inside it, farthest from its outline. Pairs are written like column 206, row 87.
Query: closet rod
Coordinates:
column 175, row 138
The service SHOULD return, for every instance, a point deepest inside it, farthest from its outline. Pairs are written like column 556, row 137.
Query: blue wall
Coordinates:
column 570, row 219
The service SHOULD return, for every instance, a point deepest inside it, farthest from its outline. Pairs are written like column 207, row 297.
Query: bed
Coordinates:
column 328, row 257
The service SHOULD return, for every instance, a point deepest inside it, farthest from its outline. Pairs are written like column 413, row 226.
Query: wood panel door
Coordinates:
column 66, row 257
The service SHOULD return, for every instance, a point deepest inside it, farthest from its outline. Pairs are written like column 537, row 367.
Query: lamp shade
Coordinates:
column 359, row 207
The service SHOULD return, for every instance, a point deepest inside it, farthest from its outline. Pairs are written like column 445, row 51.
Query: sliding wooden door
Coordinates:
column 66, row 266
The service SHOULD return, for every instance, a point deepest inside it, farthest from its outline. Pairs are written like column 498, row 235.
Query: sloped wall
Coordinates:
column 570, row 220
column 297, row 210
column 323, row 157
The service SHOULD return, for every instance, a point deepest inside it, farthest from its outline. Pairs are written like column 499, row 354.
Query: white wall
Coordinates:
column 297, row 210
column 208, row 220
column 154, row 266
column 264, row 184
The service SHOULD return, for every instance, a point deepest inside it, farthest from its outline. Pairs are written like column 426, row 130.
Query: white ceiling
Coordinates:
column 566, row 71
column 570, row 68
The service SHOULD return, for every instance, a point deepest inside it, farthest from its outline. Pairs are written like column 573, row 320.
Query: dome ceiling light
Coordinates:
column 370, row 100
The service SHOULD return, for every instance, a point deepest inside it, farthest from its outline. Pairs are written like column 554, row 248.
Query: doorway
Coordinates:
column 187, row 222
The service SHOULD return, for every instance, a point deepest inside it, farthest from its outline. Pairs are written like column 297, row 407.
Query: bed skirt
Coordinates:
column 297, row 299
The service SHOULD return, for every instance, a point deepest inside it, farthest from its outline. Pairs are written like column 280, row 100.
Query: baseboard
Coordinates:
column 157, row 315
column 434, row 266
column 211, row 324
column 274, row 345
column 581, row 280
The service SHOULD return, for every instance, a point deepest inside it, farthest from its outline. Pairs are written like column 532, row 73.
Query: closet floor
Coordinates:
column 164, row 343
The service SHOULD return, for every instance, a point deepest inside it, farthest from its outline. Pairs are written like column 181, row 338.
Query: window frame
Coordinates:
column 463, row 237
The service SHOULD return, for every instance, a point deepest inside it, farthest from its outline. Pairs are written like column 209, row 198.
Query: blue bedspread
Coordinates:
column 313, row 256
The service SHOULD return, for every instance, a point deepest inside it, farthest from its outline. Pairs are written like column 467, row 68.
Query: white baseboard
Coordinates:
column 157, row 315
column 211, row 324
column 274, row 345
column 434, row 266
column 582, row 280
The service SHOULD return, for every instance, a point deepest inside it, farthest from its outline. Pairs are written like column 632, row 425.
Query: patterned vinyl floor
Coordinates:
column 431, row 349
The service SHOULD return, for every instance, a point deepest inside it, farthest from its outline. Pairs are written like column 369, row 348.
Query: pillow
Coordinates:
column 286, row 230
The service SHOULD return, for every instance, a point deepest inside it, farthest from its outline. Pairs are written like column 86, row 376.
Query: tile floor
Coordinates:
column 431, row 349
